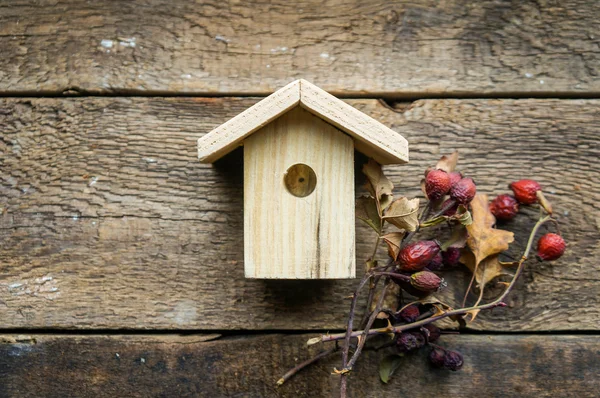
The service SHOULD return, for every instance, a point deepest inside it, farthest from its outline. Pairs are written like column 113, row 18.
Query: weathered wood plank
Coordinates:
column 384, row 48
column 150, row 366
column 110, row 221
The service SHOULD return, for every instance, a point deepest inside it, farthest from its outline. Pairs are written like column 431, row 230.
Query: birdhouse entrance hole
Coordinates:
column 300, row 180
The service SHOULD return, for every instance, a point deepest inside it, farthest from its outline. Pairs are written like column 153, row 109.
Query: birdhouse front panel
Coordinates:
column 299, row 200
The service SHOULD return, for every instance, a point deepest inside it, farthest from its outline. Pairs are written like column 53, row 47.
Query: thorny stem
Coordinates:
column 499, row 302
column 304, row 364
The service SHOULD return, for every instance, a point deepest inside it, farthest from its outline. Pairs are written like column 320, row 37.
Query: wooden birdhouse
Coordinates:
column 299, row 179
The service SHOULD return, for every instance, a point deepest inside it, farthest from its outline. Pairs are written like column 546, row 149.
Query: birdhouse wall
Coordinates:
column 299, row 237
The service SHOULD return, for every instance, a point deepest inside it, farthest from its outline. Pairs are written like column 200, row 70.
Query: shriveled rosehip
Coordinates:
column 437, row 357
column 410, row 313
column 436, row 263
column 408, row 288
column 525, row 190
column 406, row 342
column 453, row 360
column 416, row 256
column 455, row 177
column 504, row 207
column 463, row 191
column 434, row 332
column 551, row 246
column 451, row 207
column 426, row 281
column 420, row 338
column 451, row 256
column 437, row 184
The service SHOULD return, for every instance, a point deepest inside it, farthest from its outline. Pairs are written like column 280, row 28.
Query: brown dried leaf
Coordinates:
column 448, row 162
column 403, row 213
column 393, row 241
column 483, row 240
column 366, row 210
column 378, row 184
column 489, row 269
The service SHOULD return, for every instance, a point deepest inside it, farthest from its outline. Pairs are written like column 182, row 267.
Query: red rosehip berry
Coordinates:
column 455, row 177
column 409, row 314
column 416, row 256
column 504, row 207
column 437, row 184
column 437, row 357
column 426, row 281
column 436, row 263
column 463, row 191
column 453, row 360
column 551, row 246
column 451, row 256
column 525, row 190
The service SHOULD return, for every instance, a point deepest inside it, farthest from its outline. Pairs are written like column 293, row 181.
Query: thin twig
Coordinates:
column 363, row 339
column 304, row 364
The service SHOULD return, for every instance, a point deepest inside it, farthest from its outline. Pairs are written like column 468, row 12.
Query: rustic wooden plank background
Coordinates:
column 110, row 226
column 111, row 222
column 375, row 48
column 163, row 366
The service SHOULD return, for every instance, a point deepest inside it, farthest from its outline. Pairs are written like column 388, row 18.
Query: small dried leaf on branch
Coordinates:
column 483, row 240
column 393, row 241
column 487, row 270
column 388, row 366
column 403, row 213
column 448, row 162
column 378, row 185
column 546, row 205
column 366, row 210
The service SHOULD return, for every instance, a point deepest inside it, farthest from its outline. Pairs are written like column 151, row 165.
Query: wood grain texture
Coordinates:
column 110, row 221
column 371, row 137
column 188, row 366
column 231, row 134
column 394, row 48
column 290, row 237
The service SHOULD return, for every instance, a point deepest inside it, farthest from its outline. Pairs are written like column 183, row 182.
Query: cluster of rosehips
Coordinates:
column 505, row 207
column 418, row 260
column 412, row 340
column 439, row 183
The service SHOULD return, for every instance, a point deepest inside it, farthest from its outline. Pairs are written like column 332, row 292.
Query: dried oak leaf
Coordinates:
column 487, row 270
column 403, row 213
column 393, row 241
column 366, row 210
column 378, row 185
column 483, row 240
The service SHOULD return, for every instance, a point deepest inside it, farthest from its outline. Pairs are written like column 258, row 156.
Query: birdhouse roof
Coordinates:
column 370, row 137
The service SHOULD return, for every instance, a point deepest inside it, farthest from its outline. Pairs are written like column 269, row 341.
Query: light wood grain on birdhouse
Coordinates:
column 299, row 200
